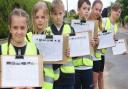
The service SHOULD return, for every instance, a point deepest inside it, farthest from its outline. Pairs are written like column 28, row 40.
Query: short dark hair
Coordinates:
column 95, row 2
column 80, row 3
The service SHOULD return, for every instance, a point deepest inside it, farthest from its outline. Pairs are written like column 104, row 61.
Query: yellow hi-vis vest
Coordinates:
column 30, row 49
column 68, row 67
column 49, row 74
column 83, row 61
column 107, row 25
column 66, row 30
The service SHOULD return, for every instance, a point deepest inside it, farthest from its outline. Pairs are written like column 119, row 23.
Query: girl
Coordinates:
column 16, row 45
column 98, row 63
column 40, row 16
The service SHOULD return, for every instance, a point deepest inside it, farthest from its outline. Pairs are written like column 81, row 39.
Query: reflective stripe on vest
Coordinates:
column 48, row 79
column 56, row 74
column 48, row 71
column 108, row 25
column 48, row 76
column 68, row 67
column 83, row 61
column 30, row 49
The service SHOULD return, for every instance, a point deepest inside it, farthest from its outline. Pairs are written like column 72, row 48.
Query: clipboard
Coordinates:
column 79, row 44
column 85, row 26
column 27, row 71
column 50, row 50
column 65, row 58
column 121, row 47
column 82, row 26
column 106, row 40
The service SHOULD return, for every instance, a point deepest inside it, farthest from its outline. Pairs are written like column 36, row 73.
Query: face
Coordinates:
column 40, row 19
column 84, row 10
column 57, row 16
column 116, row 14
column 96, row 10
column 18, row 28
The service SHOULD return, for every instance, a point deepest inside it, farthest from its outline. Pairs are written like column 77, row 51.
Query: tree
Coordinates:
column 6, row 6
column 124, row 4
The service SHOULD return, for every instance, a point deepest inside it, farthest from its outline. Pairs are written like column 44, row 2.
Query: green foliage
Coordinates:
column 6, row 6
column 126, row 19
column 124, row 4
column 69, row 16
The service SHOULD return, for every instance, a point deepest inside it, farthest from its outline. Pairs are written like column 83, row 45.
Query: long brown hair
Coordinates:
column 99, row 19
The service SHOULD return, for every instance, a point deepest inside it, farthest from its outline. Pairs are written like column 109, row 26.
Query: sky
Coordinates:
column 72, row 4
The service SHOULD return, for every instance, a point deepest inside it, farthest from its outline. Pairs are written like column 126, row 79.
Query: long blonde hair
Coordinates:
column 40, row 5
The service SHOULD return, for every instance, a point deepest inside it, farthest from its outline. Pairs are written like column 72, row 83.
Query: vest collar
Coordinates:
column 55, row 30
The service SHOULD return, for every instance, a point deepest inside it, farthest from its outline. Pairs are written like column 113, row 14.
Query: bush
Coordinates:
column 6, row 6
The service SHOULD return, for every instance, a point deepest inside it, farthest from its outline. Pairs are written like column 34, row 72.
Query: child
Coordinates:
column 16, row 45
column 40, row 16
column 67, row 72
column 98, row 63
column 83, row 65
column 111, row 23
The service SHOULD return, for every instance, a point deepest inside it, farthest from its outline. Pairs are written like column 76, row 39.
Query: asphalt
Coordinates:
column 116, row 68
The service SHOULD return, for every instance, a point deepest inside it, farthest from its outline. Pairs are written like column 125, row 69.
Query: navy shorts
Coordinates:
column 98, row 66
column 83, row 79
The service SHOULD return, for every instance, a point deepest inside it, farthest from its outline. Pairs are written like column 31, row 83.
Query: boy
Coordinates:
column 67, row 72
column 83, row 65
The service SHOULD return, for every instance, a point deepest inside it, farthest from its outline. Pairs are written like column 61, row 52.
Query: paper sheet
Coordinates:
column 50, row 48
column 120, row 47
column 82, row 27
column 106, row 40
column 20, row 72
column 79, row 45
